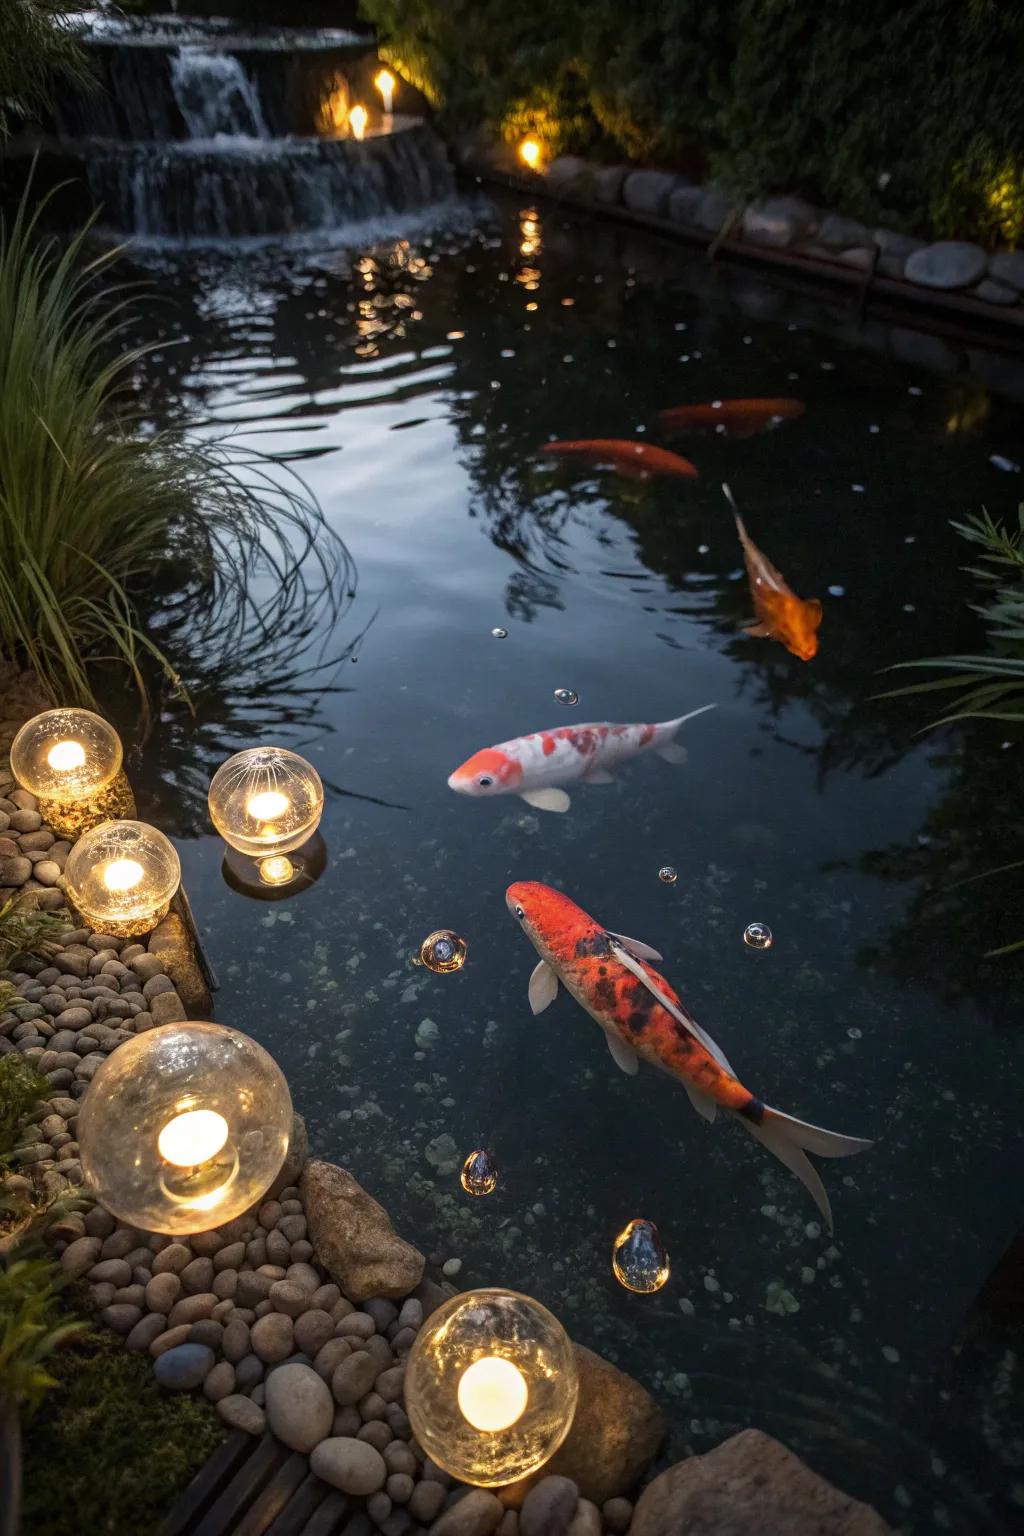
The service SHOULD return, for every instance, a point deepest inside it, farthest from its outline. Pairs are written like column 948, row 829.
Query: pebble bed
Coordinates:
column 244, row 1313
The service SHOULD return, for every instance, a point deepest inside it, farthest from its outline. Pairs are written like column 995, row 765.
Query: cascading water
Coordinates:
column 215, row 95
column 201, row 132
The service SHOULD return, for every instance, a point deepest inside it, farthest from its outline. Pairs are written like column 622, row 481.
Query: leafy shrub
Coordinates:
column 31, row 1328
column 22, row 1090
column 906, row 112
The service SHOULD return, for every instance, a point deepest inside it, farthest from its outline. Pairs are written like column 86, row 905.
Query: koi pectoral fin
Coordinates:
column 600, row 776
column 623, row 1055
column 671, row 752
column 701, row 1102
column 543, row 987
column 546, row 799
column 756, row 631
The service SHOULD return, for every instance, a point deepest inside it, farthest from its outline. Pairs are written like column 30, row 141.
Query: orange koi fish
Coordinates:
column 781, row 615
column 637, row 461
column 735, row 418
column 536, row 766
column 643, row 1020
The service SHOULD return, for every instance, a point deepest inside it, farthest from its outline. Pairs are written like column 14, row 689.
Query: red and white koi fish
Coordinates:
column 733, row 418
column 781, row 615
column 637, row 461
column 536, row 766
column 643, row 1020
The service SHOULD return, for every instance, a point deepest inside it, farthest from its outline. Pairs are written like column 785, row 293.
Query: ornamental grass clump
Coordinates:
column 119, row 544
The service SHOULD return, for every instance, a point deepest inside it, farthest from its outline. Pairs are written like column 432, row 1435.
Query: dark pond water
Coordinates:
column 412, row 380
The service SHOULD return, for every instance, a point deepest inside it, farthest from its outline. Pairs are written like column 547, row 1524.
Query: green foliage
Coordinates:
column 905, row 112
column 38, row 51
column 988, row 686
column 22, row 1090
column 31, row 1328
column 24, row 929
column 106, row 531
column 110, row 1446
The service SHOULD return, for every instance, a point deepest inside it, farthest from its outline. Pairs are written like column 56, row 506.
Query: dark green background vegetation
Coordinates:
column 905, row 112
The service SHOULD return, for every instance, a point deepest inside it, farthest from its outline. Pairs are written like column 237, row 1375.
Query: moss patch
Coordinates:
column 109, row 1451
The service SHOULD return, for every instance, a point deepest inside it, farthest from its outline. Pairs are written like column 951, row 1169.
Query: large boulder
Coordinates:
column 946, row 264
column 779, row 221
column 649, row 192
column 615, row 1435
column 353, row 1236
column 749, row 1483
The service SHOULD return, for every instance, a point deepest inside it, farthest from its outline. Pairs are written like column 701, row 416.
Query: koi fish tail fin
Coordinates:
column 730, row 498
column 790, row 1139
column 666, row 745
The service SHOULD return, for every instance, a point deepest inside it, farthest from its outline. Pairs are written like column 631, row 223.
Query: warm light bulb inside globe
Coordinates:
column 270, row 805
column 66, row 756
column 193, row 1137
column 357, row 121
column 122, row 874
column 492, row 1394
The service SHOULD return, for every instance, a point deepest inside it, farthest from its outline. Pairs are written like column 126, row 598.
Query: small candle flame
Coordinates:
column 123, row 874
column 385, row 83
column 192, row 1138
column 66, row 755
column 357, row 121
column 492, row 1394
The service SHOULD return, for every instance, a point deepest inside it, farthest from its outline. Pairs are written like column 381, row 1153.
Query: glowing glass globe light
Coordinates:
column 66, row 758
column 121, row 876
column 530, row 153
column 358, row 118
column 266, row 802
column 184, row 1127
column 385, row 82
column 491, row 1386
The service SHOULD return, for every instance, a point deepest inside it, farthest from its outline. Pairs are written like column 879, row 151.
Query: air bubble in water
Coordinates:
column 443, row 951
column 639, row 1260
column 566, row 696
column 499, row 633
column 758, row 936
column 667, row 875
column 479, row 1174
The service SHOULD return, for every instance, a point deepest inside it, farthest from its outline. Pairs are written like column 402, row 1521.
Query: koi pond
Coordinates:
column 410, row 375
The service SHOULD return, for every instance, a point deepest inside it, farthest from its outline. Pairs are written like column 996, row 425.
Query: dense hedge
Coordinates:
column 907, row 112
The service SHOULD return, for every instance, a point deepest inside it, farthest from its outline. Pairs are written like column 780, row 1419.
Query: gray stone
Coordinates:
column 426, row 1501
column 354, row 1377
column 992, row 292
column 606, row 183
column 121, row 1317
column 249, row 1372
column 715, row 208
column 779, row 221
column 220, row 1383
column 351, row 1465
column 570, row 176
column 617, row 1514
column 749, row 1483
column 354, row 1238
column 300, row 1409
column 549, row 1507
column 303, row 1275
column 648, row 192
column 289, row 1299
column 839, row 234
column 80, row 1256
column 253, row 1288
column 173, row 1258
column 191, row 1309
column 272, row 1337
column 236, row 1342
column 356, row 1325
column 207, row 1331
column 170, row 1339
column 1008, row 267
column 197, row 1276
column 684, row 205
column 145, row 1331
column 947, row 264
column 330, row 1356
column 240, row 1412
column 229, row 1257
column 187, row 1366
column 313, row 1330
column 399, row 1487
column 586, row 1521
column 167, row 1009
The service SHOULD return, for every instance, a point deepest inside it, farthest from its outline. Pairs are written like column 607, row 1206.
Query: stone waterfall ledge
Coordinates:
column 298, row 1316
column 944, row 274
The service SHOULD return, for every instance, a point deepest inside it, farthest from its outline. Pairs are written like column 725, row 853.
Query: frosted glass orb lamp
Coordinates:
column 121, row 877
column 70, row 759
column 266, row 803
column 491, row 1386
column 184, row 1127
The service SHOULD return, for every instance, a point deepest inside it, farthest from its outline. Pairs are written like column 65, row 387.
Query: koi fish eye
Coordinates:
column 519, row 911
column 485, row 781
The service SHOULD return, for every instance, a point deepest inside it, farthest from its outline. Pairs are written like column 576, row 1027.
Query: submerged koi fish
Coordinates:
column 531, row 766
column 781, row 615
column 637, row 461
column 737, row 418
column 611, row 977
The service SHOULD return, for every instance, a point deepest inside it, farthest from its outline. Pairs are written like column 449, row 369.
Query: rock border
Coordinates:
column 946, row 275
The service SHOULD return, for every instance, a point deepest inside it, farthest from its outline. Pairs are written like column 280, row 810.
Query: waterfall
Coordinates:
column 215, row 95
column 203, row 131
